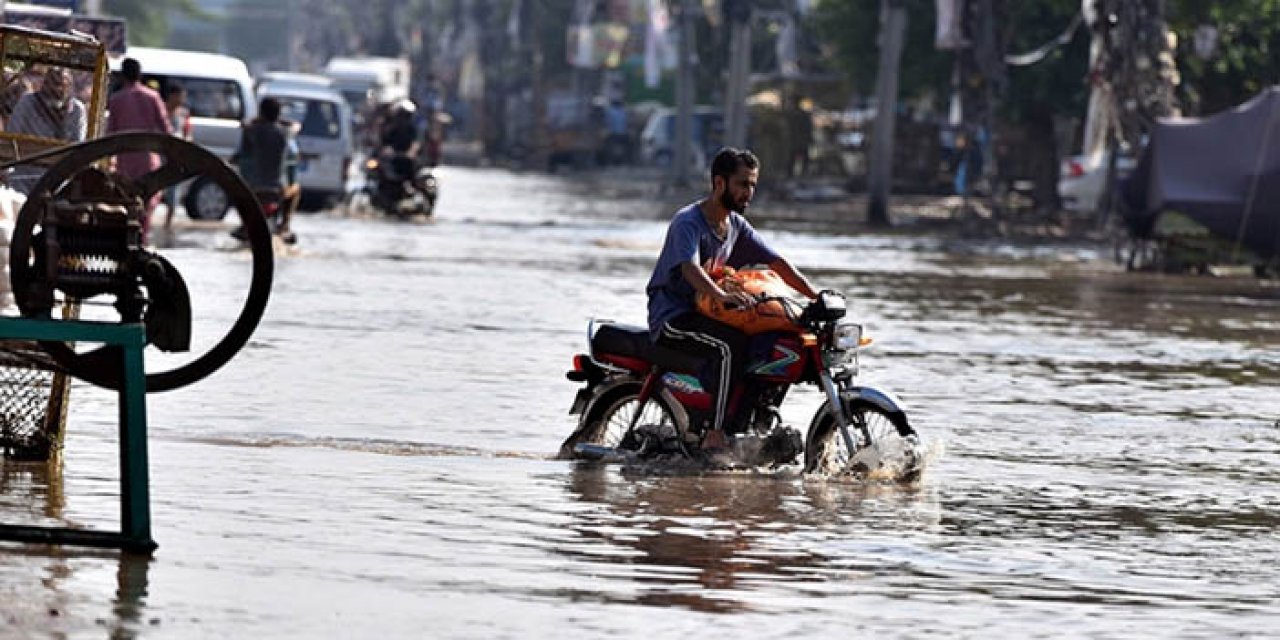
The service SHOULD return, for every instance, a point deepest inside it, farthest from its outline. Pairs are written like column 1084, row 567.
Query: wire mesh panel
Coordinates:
column 33, row 401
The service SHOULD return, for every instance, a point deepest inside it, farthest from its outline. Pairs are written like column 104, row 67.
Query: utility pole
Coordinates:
column 738, row 16
column 1138, row 69
column 290, row 37
column 893, row 27
column 538, row 90
column 684, row 96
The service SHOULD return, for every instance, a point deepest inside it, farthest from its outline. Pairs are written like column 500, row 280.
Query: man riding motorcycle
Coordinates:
column 394, row 180
column 702, row 240
column 400, row 138
column 267, row 157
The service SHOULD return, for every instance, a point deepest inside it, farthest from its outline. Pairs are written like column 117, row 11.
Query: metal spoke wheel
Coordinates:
column 615, row 421
column 181, row 161
column 607, row 423
column 883, row 442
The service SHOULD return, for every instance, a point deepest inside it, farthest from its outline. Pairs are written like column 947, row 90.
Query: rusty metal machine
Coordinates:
column 78, row 239
column 78, row 236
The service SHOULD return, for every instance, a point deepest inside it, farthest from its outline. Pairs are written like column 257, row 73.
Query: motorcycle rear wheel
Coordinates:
column 893, row 448
column 609, row 427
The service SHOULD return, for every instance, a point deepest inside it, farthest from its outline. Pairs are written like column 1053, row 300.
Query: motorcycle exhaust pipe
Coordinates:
column 600, row 453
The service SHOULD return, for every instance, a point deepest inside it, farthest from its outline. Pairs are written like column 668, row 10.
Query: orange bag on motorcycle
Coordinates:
column 774, row 309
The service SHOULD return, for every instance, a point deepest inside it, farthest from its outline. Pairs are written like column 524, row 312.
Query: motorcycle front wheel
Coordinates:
column 885, row 445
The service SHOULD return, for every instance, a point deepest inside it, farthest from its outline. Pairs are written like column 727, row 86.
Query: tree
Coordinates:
column 849, row 33
column 1040, row 93
column 893, row 26
column 1243, row 60
column 1030, row 99
column 149, row 19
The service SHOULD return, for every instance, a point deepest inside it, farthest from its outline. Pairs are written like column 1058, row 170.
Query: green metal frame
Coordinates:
column 135, row 498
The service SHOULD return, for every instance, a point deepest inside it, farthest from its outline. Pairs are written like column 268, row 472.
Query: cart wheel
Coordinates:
column 182, row 161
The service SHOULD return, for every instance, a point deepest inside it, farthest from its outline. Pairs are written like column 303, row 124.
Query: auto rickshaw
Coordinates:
column 27, row 57
column 35, row 396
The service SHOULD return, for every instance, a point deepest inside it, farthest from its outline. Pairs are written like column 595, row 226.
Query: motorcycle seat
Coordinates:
column 633, row 342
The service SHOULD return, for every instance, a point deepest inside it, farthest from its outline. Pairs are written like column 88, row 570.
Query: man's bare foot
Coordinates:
column 714, row 440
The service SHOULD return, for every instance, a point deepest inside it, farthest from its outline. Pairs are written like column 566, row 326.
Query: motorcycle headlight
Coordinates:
column 848, row 336
column 371, row 164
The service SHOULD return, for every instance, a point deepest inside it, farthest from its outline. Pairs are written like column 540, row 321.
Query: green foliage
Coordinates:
column 149, row 19
column 1247, row 57
column 1058, row 83
column 850, row 32
column 554, row 18
column 850, row 29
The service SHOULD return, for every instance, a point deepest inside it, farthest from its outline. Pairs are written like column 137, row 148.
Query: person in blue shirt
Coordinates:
column 702, row 239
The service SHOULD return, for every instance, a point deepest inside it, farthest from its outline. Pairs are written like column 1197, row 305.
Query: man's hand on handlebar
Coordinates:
column 737, row 300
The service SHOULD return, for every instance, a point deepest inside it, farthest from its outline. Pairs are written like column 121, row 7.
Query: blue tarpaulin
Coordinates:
column 1222, row 171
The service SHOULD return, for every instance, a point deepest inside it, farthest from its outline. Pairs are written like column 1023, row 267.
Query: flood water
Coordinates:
column 1104, row 450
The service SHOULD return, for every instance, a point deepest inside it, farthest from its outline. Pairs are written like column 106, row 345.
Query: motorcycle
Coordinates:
column 398, row 186
column 272, row 201
column 640, row 400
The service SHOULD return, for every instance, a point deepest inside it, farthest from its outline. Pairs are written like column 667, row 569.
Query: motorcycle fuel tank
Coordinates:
column 776, row 356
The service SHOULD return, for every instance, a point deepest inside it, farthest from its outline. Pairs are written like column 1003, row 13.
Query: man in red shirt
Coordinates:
column 137, row 107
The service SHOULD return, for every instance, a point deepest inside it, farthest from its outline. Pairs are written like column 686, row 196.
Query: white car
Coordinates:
column 325, row 142
column 1083, row 179
column 657, row 140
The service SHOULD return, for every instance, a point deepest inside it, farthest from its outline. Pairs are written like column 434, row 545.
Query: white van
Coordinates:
column 368, row 78
column 325, row 141
column 220, row 97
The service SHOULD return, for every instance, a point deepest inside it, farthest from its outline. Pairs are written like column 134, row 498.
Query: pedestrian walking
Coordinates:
column 137, row 107
column 175, row 104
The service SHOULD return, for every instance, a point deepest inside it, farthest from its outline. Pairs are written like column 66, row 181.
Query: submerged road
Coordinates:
column 377, row 463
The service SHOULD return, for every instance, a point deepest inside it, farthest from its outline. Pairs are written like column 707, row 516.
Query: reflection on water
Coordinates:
column 129, row 605
column 52, row 595
column 34, row 489
column 704, row 542
column 380, row 455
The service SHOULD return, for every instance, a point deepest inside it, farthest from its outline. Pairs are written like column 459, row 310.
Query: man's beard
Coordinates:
column 54, row 102
column 728, row 202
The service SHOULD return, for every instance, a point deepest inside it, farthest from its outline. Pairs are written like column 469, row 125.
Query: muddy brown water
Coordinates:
column 1104, row 450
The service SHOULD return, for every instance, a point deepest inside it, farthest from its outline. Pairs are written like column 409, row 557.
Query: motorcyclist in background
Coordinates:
column 267, row 158
column 399, row 138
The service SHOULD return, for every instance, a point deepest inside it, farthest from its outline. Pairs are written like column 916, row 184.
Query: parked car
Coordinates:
column 220, row 97
column 1083, row 179
column 325, row 141
column 657, row 140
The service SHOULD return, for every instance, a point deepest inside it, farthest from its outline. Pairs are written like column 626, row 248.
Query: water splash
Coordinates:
column 888, row 461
